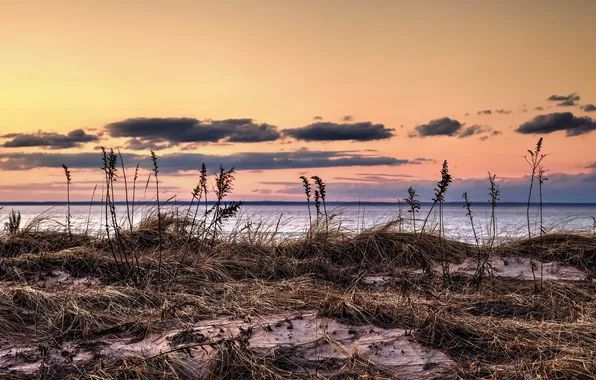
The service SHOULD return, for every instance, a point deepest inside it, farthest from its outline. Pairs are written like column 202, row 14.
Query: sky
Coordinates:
column 372, row 96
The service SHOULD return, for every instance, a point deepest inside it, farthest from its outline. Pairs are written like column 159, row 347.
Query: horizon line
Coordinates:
column 355, row 203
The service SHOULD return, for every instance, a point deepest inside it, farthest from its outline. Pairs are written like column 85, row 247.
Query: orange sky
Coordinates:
column 397, row 63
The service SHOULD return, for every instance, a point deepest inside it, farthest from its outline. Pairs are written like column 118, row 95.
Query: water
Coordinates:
column 291, row 219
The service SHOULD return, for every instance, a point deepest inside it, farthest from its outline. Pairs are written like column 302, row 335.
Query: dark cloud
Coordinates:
column 489, row 112
column 72, row 139
column 449, row 127
column 299, row 159
column 562, row 98
column 565, row 100
column 327, row 131
column 562, row 121
column 27, row 161
column 589, row 108
column 136, row 144
column 317, row 118
column 567, row 103
column 174, row 131
column 421, row 160
column 250, row 132
column 538, row 108
column 347, row 118
column 438, row 127
column 474, row 130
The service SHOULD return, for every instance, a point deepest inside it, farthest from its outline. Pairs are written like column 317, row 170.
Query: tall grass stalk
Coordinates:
column 68, row 216
column 202, row 189
column 307, row 193
column 534, row 161
column 128, row 213
column 440, row 191
column 414, row 203
column 107, row 172
column 317, row 199
column 494, row 193
column 479, row 274
column 223, row 187
column 155, row 171
column 439, row 198
column 322, row 191
column 134, row 190
column 541, row 179
column 112, row 171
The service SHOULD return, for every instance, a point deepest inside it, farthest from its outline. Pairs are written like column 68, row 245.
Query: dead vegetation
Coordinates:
column 295, row 309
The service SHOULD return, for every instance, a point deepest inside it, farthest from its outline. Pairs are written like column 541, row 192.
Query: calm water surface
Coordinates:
column 292, row 219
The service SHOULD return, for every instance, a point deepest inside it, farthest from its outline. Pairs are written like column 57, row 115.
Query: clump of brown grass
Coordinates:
column 14, row 223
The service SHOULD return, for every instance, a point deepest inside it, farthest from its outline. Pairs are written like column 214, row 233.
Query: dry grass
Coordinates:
column 65, row 311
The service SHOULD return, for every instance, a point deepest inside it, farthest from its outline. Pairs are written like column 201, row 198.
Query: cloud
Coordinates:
column 299, row 159
column 328, row 131
column 539, row 108
column 317, row 118
column 452, row 128
column 347, row 118
column 489, row 112
column 175, row 131
column 588, row 108
column 562, row 121
column 561, row 98
column 438, row 127
column 249, row 132
column 565, row 100
column 566, row 103
column 136, row 144
column 72, row 139
column 421, row 160
column 474, row 130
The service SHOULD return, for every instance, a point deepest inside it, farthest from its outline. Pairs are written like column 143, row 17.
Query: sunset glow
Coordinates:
column 371, row 96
